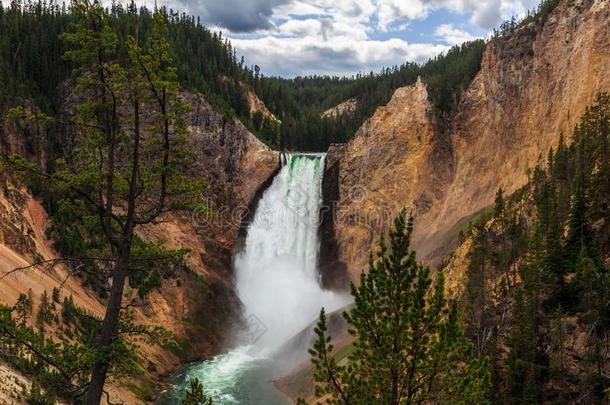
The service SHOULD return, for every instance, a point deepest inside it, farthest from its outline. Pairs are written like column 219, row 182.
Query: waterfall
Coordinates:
column 277, row 280
column 276, row 273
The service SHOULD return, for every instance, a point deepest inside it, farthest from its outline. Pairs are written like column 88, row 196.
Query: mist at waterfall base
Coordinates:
column 277, row 280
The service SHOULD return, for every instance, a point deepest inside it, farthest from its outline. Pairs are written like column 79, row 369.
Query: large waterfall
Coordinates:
column 277, row 277
column 277, row 281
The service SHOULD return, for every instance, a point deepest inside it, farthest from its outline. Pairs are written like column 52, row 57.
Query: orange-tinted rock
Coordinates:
column 533, row 85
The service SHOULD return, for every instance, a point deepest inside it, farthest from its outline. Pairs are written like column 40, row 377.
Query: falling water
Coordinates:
column 278, row 283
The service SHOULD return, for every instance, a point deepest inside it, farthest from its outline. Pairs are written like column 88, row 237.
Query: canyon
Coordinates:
column 533, row 86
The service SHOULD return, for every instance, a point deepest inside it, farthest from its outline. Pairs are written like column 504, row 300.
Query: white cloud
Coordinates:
column 310, row 55
column 452, row 36
column 300, row 28
column 292, row 37
column 487, row 14
column 391, row 11
column 484, row 14
column 296, row 8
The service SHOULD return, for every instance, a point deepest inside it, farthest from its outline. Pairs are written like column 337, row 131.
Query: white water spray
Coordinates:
column 278, row 283
column 276, row 273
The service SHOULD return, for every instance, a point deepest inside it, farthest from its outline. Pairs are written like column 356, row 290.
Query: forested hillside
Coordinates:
column 537, row 285
column 32, row 66
column 299, row 102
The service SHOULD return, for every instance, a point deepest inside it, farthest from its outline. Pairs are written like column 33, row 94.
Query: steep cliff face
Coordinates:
column 198, row 306
column 234, row 163
column 531, row 88
column 533, row 85
column 397, row 158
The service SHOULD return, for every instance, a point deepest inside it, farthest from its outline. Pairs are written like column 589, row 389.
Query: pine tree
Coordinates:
column 409, row 347
column 523, row 369
column 56, row 296
column 499, row 204
column 45, row 311
column 527, row 363
column 595, row 286
column 476, row 295
column 195, row 395
column 125, row 170
column 579, row 236
column 23, row 308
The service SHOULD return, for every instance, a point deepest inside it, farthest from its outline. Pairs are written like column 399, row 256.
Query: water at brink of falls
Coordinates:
column 277, row 280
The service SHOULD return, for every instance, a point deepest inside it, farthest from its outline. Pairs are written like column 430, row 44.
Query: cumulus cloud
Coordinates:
column 452, row 36
column 300, row 28
column 391, row 11
column 310, row 55
column 293, row 37
column 234, row 15
column 484, row 14
column 487, row 14
column 239, row 16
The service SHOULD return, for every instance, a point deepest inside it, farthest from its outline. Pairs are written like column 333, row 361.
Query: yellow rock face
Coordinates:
column 385, row 168
column 533, row 85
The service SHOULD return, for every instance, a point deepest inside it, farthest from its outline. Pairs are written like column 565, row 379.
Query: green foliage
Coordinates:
column 539, row 258
column 56, row 369
column 299, row 102
column 79, row 323
column 23, row 307
column 31, row 63
column 36, row 396
column 524, row 364
column 45, row 313
column 195, row 395
column 537, row 17
column 409, row 347
column 60, row 370
column 30, row 53
column 152, row 263
column 56, row 296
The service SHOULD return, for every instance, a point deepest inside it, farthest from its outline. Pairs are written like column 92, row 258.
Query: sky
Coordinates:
column 343, row 37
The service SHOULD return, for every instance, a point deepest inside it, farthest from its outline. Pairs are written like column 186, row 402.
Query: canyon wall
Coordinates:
column 199, row 305
column 533, row 85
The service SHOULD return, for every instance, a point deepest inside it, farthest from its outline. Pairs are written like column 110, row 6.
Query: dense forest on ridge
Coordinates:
column 32, row 69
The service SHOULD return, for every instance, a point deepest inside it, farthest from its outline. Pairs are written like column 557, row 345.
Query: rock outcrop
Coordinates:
column 346, row 107
column 256, row 105
column 234, row 163
column 533, row 85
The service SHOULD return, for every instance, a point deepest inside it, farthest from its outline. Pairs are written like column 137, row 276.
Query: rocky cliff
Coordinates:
column 533, row 85
column 199, row 305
